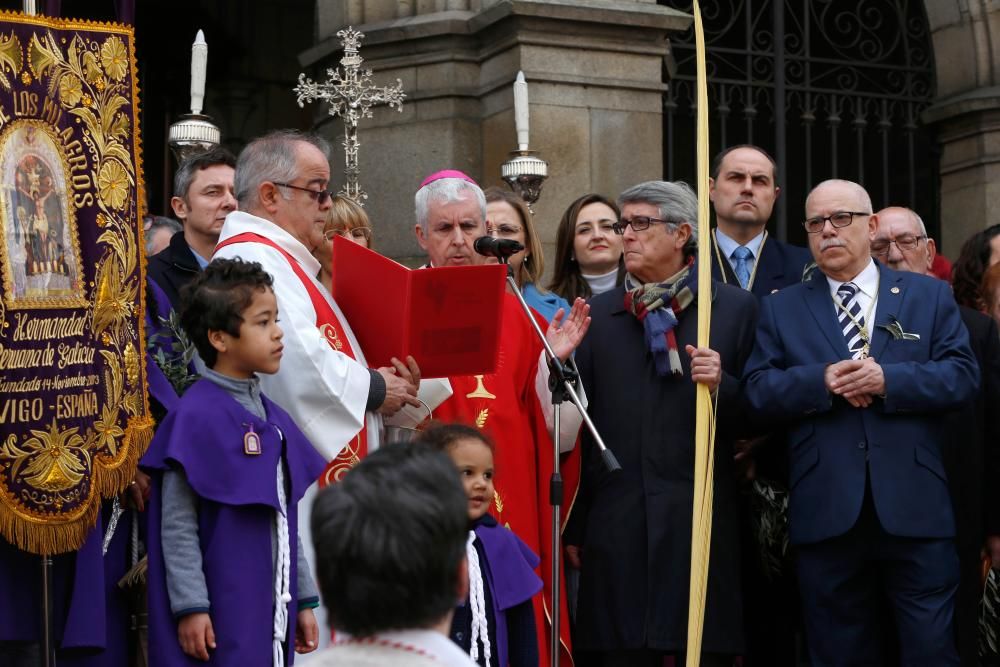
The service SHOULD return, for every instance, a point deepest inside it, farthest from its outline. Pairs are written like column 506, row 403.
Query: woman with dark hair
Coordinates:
column 979, row 252
column 588, row 252
column 508, row 217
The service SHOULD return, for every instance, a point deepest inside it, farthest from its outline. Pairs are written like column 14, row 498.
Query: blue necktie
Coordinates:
column 850, row 324
column 741, row 266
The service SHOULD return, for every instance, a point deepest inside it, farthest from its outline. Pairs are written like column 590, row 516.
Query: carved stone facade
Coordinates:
column 966, row 114
column 596, row 80
column 595, row 76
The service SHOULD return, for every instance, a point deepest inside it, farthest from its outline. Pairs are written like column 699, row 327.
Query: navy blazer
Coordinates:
column 897, row 440
column 780, row 264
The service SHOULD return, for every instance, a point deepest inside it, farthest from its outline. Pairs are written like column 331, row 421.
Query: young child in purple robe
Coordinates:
column 228, row 582
column 496, row 623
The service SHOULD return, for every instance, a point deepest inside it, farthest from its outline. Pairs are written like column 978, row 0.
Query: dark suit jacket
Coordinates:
column 635, row 526
column 896, row 441
column 972, row 461
column 173, row 267
column 780, row 264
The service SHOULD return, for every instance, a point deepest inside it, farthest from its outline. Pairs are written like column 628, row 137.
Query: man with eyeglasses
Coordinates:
column 324, row 383
column 972, row 455
column 862, row 362
column 630, row 531
column 513, row 404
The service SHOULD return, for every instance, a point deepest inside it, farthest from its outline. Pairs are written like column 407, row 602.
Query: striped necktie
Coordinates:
column 851, row 324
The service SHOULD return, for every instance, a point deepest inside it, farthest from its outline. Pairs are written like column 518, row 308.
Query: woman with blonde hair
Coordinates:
column 345, row 218
column 508, row 217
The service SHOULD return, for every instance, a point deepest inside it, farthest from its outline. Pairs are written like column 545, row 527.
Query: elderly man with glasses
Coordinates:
column 861, row 362
column 631, row 531
column 972, row 456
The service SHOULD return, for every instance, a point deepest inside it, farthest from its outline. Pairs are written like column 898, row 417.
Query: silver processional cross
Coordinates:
column 350, row 94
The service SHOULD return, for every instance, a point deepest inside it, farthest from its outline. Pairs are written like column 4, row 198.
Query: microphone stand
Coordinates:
column 562, row 381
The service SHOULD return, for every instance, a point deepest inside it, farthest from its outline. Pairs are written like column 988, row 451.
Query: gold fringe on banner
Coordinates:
column 704, row 470
column 43, row 536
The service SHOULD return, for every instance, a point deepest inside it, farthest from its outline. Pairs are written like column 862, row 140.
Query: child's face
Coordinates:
column 475, row 464
column 258, row 348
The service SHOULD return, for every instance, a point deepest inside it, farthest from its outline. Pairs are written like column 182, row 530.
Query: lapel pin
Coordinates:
column 895, row 290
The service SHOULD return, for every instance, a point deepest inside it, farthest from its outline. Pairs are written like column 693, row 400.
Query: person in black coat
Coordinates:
column 743, row 192
column 631, row 531
column 203, row 196
column 972, row 455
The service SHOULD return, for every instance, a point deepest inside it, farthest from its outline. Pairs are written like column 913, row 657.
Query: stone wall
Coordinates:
column 595, row 77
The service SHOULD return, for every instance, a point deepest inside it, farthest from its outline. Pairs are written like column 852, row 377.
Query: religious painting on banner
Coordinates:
column 74, row 413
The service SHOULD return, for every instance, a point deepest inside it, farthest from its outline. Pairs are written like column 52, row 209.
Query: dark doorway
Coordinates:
column 831, row 89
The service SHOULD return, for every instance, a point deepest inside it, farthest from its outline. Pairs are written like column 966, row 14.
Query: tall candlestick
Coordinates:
column 199, row 64
column 521, row 111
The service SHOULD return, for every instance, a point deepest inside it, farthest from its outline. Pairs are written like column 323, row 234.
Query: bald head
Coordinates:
column 901, row 241
column 841, row 252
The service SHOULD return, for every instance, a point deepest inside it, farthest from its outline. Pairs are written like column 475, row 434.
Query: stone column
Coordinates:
column 966, row 115
column 595, row 78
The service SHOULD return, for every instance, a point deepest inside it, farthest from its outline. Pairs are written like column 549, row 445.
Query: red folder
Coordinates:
column 448, row 318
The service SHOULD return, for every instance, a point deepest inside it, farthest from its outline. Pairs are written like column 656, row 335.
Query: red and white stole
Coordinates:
column 333, row 331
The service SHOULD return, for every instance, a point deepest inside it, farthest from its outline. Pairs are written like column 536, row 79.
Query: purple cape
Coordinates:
column 238, row 496
column 510, row 574
column 90, row 614
column 159, row 386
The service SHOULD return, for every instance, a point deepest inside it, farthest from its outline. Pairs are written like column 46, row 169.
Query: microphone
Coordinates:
column 494, row 247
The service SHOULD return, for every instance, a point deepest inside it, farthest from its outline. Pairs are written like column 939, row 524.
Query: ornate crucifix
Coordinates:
column 350, row 94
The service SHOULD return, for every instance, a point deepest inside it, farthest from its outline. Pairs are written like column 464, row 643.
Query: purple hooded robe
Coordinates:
column 238, row 497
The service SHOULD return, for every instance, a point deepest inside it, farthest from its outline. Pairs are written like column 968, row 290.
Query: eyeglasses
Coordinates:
column 320, row 196
column 904, row 243
column 837, row 219
column 504, row 231
column 639, row 223
column 357, row 233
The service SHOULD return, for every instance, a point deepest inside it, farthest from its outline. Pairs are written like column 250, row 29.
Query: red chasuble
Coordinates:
column 333, row 331
column 506, row 406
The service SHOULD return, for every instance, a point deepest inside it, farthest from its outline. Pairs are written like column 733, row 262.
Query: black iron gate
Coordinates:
column 832, row 88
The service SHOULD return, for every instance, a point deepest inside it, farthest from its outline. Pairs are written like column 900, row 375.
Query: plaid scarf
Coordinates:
column 657, row 306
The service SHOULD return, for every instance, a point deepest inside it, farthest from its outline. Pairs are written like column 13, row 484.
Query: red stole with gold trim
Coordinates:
column 333, row 331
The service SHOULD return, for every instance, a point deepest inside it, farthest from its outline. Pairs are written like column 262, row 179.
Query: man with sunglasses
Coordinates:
column 630, row 531
column 972, row 455
column 324, row 382
column 862, row 362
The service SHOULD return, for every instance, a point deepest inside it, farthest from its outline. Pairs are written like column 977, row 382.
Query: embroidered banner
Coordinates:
column 74, row 414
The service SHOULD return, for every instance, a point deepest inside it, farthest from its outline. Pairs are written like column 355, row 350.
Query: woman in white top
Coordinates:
column 588, row 251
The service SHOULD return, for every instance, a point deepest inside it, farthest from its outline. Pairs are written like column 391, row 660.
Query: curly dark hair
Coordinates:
column 968, row 269
column 442, row 435
column 567, row 281
column 215, row 301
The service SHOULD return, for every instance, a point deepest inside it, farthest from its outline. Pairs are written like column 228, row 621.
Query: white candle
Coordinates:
column 199, row 63
column 521, row 111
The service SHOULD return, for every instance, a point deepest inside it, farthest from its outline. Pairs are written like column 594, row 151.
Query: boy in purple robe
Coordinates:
column 228, row 583
column 495, row 624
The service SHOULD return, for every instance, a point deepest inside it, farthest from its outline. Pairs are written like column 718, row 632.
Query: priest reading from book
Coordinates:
column 324, row 383
column 513, row 404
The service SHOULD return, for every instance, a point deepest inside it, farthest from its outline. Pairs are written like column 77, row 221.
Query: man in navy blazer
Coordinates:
column 743, row 192
column 861, row 362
